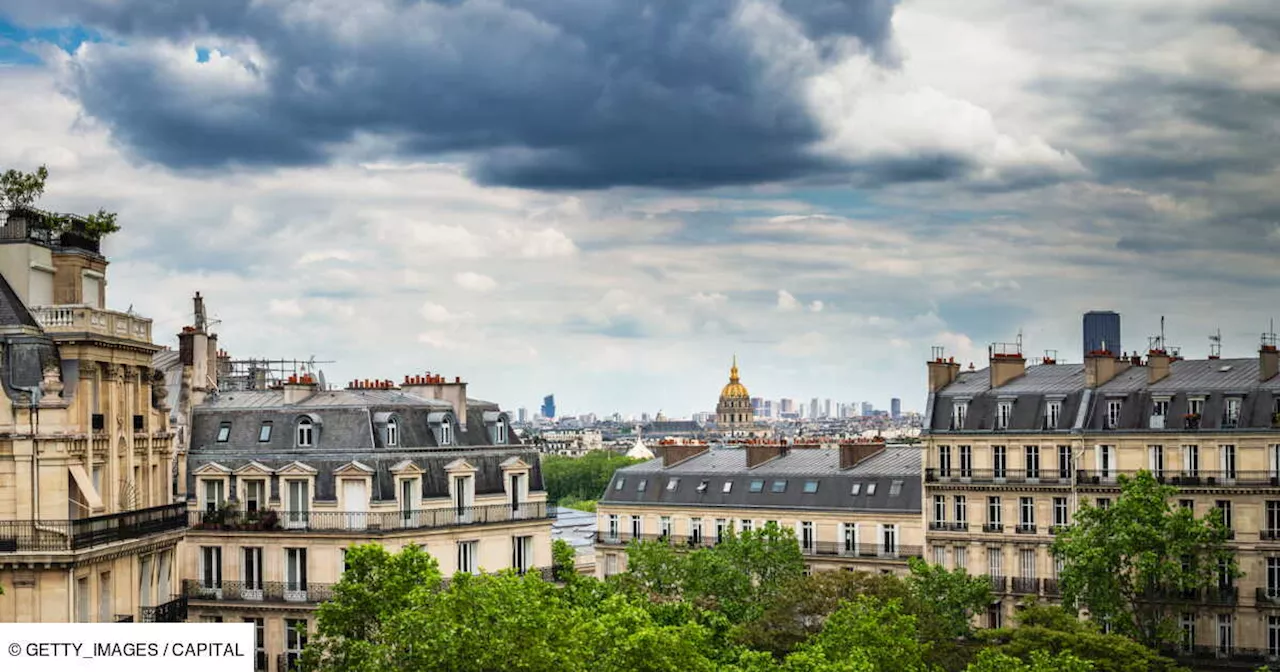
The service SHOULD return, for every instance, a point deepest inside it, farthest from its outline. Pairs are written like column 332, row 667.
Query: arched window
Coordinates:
column 446, row 432
column 502, row 430
column 393, row 432
column 305, row 433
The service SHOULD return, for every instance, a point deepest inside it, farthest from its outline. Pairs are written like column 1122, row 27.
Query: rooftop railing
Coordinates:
column 46, row 536
column 1207, row 478
column 366, row 522
column 812, row 549
column 87, row 319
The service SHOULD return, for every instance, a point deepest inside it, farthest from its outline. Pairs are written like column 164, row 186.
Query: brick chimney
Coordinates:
column 759, row 453
column 1005, row 364
column 298, row 388
column 1100, row 366
column 1158, row 362
column 435, row 386
column 1268, row 361
column 942, row 372
column 675, row 453
column 854, row 452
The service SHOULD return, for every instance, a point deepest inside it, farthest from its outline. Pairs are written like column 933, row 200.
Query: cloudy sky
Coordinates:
column 607, row 199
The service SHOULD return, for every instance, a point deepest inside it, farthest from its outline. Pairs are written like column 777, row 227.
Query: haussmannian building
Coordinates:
column 280, row 482
column 852, row 504
column 1013, row 451
column 88, row 525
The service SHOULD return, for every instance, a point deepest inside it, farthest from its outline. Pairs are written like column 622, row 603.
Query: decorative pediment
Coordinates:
column 406, row 468
column 211, row 469
column 354, row 468
column 514, row 463
column 254, row 468
column 296, row 468
column 460, row 464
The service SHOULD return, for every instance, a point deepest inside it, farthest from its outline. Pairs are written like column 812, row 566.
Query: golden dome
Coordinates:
column 735, row 389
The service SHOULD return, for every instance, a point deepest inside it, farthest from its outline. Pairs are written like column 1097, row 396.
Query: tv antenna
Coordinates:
column 1215, row 345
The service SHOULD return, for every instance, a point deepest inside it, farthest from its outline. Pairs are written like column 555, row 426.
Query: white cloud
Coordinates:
column 285, row 308
column 434, row 312
column 475, row 282
column 787, row 302
column 816, row 306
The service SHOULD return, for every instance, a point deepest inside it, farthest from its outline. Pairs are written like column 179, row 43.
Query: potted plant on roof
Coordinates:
column 1191, row 420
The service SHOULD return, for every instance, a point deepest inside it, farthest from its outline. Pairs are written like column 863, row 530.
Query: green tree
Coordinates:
column 863, row 635
column 20, row 191
column 991, row 660
column 953, row 597
column 563, row 561
column 582, row 478
column 1130, row 562
column 1053, row 630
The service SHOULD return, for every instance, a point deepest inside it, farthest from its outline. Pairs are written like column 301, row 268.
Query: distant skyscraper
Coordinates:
column 523, row 414
column 827, row 409
column 788, row 405
column 549, row 406
column 867, row 408
column 895, row 408
column 1102, row 331
column 813, row 408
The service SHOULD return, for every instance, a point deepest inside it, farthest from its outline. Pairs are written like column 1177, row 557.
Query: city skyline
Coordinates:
column 922, row 173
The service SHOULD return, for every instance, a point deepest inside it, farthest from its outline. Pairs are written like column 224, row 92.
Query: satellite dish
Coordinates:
column 320, row 378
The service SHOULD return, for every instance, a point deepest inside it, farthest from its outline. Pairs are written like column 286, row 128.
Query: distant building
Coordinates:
column 570, row 442
column 827, row 409
column 523, row 415
column 1101, row 331
column 895, row 408
column 734, row 415
column 788, row 405
column 813, row 408
column 867, row 408
column 549, row 406
column 855, row 505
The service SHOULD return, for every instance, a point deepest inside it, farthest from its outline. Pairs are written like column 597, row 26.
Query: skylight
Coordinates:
column 810, row 487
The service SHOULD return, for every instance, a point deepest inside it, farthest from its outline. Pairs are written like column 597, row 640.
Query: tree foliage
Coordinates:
column 1053, row 630
column 20, row 191
column 1128, row 563
column 582, row 478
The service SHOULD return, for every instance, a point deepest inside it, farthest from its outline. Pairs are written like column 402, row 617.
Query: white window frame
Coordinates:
column 210, row 568
column 251, row 572
column 1053, row 414
column 304, row 433
column 959, row 411
column 1061, row 515
column 1031, row 462
column 960, row 506
column 296, row 582
column 1155, row 460
column 965, row 455
column 999, row 462
column 995, row 505
column 1228, row 461
column 1004, row 414
column 1114, row 406
column 217, row 498
column 393, row 432
column 467, row 555
column 1026, row 512
column 1191, row 459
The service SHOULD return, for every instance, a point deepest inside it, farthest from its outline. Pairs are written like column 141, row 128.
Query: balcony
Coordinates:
column 1269, row 595
column 51, row 536
column 1203, row 478
column 1233, row 656
column 1025, row 586
column 1217, row 595
column 998, row 477
column 1052, row 588
column 999, row 584
column 1269, row 535
column 1057, row 529
column 993, row 527
column 273, row 592
column 173, row 611
column 1025, row 528
column 81, row 319
column 833, row 549
column 948, row 526
column 365, row 522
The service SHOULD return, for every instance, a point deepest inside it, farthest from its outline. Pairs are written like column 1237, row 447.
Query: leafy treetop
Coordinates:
column 20, row 191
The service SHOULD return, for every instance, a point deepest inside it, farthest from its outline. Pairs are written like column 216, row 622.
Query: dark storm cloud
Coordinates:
column 540, row 93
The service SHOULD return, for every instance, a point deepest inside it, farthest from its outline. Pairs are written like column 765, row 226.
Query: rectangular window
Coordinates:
column 871, row 489
column 961, row 507
column 636, row 526
column 1059, row 511
column 1160, row 408
column 213, row 494
column 857, row 488
column 966, row 461
column 1064, row 462
column 850, row 538
column 940, row 556
column 255, row 494
column 264, row 434
column 673, row 483
column 1226, row 634
column 1027, row 514
column 808, row 542
column 722, row 526
column 521, row 553
column 961, row 556
column 610, row 564
column 999, row 462
column 619, row 482
column 1103, row 502
column 1272, row 519
column 994, row 511
column 295, row 574
column 664, row 526
column 940, row 508
column 251, row 569
column 889, row 540
column 1273, row 636
column 1107, row 463
column 104, row 598
column 1188, row 504
column 728, row 486
column 297, row 503
column 1224, row 505
column 1273, row 459
column 958, row 412
column 467, row 557
column 1195, row 406
column 995, row 561
column 778, row 486
column 1227, row 462
column 1155, row 460
column 1027, row 563
column 757, row 486
column 259, row 643
column 295, row 640
column 1191, row 461
column 224, row 432
column 1188, row 621
column 747, row 524
column 1273, row 578
column 703, row 485
column 1231, row 417
column 83, row 600
column 1031, row 459
column 210, row 567
column 695, row 531
column 644, row 482
column 406, row 501
column 613, row 527
column 810, row 487
column 1113, row 413
column 944, row 461
column 1004, row 411
column 1052, row 410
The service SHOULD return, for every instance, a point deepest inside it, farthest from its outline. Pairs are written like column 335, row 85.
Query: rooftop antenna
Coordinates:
column 1215, row 345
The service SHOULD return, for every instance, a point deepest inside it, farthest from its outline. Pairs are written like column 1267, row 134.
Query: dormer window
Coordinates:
column 958, row 411
column 1231, row 416
column 1004, row 411
column 1195, row 406
column 1113, row 413
column 446, row 433
column 702, row 486
column 1052, row 411
column 305, row 436
column 393, row 432
column 442, row 425
column 224, row 432
column 502, row 430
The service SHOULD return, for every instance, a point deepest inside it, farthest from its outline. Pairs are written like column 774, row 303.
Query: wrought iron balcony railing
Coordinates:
column 1208, row 478
column 814, row 548
column 999, row 476
column 257, row 591
column 173, row 611
column 44, row 536
column 366, row 522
